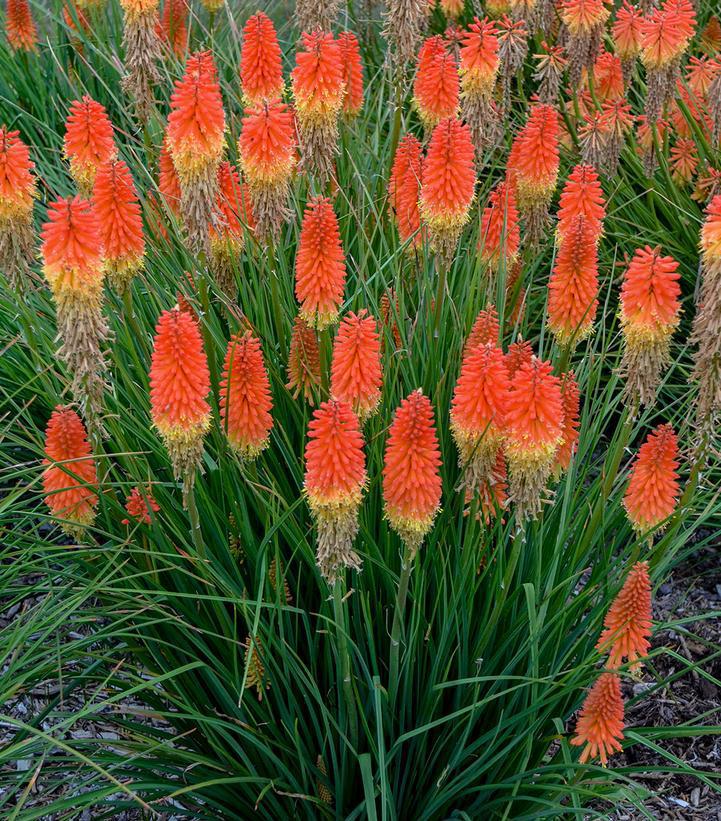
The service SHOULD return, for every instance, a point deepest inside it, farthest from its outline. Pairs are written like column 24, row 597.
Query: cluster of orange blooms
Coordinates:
column 514, row 421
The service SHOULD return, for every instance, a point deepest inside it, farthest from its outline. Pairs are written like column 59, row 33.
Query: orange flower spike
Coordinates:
column 500, row 237
column 352, row 72
column 356, row 376
column 116, row 206
column 700, row 73
column 268, row 158
column 478, row 413
column 711, row 236
column 319, row 265
column 404, row 189
column 227, row 239
column 485, row 331
column 17, row 194
column 650, row 311
column 88, row 141
column 261, row 70
column 519, row 353
column 436, row 87
column 608, row 83
column 479, row 60
column 653, row 489
column 245, row 400
column 626, row 31
column 139, row 505
column 534, row 432
column 448, row 185
column 584, row 21
column 173, row 26
column 666, row 33
column 600, row 722
column 683, row 160
column 20, row 27
column 571, row 398
column 196, row 124
column 179, row 386
column 303, row 361
column 69, row 477
column 582, row 195
column 628, row 621
column 533, row 162
column 573, row 284
column 411, row 478
column 319, row 89
column 335, row 477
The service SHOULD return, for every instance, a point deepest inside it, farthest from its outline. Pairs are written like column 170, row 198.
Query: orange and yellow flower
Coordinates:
column 599, row 728
column 173, row 26
column 352, row 72
column 89, row 142
column 261, row 70
column 69, row 477
column 653, row 489
column 22, row 33
column 436, row 87
column 571, row 399
column 533, row 161
column 485, row 331
column 179, row 386
column 116, row 206
column 303, row 360
column 627, row 626
column 479, row 61
column 404, row 189
column 500, row 237
column 411, row 478
column 139, row 505
column 335, row 477
column 582, row 195
column 356, row 367
column 245, row 399
column 227, row 237
column 319, row 265
column 711, row 236
column 627, row 31
column 17, row 194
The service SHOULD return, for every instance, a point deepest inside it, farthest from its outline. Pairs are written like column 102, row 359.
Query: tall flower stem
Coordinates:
column 401, row 596
column 346, row 676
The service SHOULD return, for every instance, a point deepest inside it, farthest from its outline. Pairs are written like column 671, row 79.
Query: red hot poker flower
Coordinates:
column 404, row 189
column 139, row 505
column 356, row 368
column 261, row 72
column 20, row 27
column 353, row 73
column 436, row 87
column 600, row 723
column 628, row 621
column 89, row 141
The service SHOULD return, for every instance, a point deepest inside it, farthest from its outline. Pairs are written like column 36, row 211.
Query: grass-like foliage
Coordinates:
column 237, row 681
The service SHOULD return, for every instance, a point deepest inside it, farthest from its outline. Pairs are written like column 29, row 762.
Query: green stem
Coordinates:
column 347, row 681
column 397, row 117
column 195, row 530
column 440, row 293
column 403, row 582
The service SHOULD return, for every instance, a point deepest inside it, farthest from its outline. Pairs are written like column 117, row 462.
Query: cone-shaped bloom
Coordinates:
column 73, row 266
column 573, row 285
column 607, row 77
column 582, row 195
column 195, row 137
column 600, row 723
column 665, row 35
column 245, row 400
column 173, row 26
column 116, row 206
column 479, row 63
column 267, row 156
column 88, row 141
column 303, row 360
column 20, row 27
column 649, row 315
column 534, row 432
column 404, row 189
column 356, row 368
column 448, row 186
column 179, row 385
column 584, row 21
column 227, row 238
column 69, row 478
column 352, row 72
column 17, row 193
column 334, row 480
column 628, row 621
column 261, row 71
column 139, row 504
column 485, row 330
column 626, row 33
column 519, row 353
column 142, row 52
column 533, row 165
column 653, row 489
column 571, row 398
column 436, row 87
column 319, row 265
column 478, row 413
column 683, row 161
column 500, row 236
column 411, row 478
column 390, row 313
column 318, row 90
